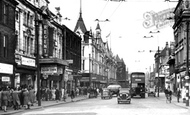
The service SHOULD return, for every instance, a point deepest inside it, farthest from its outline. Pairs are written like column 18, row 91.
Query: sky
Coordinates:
column 125, row 26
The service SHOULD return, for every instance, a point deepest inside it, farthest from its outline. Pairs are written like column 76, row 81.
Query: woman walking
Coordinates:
column 16, row 100
column 27, row 102
column 5, row 99
column 57, row 94
column 31, row 95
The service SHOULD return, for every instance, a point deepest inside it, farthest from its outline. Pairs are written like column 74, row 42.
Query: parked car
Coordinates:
column 151, row 92
column 114, row 89
column 106, row 94
column 124, row 96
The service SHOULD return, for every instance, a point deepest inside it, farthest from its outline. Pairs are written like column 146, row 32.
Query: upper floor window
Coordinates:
column 3, row 45
column 5, row 13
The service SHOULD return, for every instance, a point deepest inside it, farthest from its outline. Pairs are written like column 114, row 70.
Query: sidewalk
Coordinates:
column 174, row 100
column 44, row 104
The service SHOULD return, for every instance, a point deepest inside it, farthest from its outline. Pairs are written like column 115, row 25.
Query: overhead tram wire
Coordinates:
column 103, row 9
column 115, row 10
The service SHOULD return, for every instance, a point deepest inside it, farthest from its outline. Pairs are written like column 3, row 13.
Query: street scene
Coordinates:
column 94, row 57
column 97, row 106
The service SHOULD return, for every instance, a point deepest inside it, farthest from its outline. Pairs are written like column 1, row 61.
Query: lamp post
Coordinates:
column 187, row 65
column 37, row 58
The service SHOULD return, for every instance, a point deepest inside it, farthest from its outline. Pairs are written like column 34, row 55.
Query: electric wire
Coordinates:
column 103, row 9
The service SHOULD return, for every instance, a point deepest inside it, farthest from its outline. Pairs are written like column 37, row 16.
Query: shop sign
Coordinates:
column 45, row 36
column 66, row 77
column 5, row 78
column 70, row 77
column 59, row 70
column 6, row 68
column 49, row 70
column 28, row 61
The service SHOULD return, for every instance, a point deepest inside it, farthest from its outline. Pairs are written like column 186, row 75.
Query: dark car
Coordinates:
column 124, row 96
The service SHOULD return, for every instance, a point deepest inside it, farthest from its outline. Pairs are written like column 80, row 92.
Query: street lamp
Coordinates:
column 37, row 20
column 106, row 20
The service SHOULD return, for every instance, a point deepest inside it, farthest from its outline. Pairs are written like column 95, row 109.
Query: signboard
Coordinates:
column 45, row 36
column 5, row 78
column 159, row 19
column 6, row 68
column 28, row 61
column 49, row 70
column 137, row 79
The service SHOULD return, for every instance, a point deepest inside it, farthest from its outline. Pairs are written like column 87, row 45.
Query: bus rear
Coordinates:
column 138, row 84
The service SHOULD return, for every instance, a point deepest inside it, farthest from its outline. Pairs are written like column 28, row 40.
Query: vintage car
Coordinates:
column 106, row 93
column 124, row 96
column 114, row 89
column 151, row 92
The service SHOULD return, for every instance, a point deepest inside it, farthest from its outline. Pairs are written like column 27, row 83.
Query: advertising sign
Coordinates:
column 5, row 78
column 28, row 61
column 49, row 70
column 6, row 68
column 159, row 19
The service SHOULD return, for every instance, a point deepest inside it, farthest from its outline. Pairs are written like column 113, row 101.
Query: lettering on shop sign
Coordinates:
column 137, row 79
column 5, row 78
column 6, row 68
column 28, row 61
column 49, row 70
column 45, row 36
column 159, row 20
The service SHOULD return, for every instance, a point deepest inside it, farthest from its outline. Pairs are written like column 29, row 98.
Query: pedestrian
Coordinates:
column 53, row 93
column 57, row 95
column 63, row 94
column 16, row 100
column 5, row 99
column 27, row 102
column 178, row 94
column 32, row 95
column 72, row 94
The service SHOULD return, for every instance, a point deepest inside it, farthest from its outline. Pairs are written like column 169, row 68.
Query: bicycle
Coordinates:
column 168, row 98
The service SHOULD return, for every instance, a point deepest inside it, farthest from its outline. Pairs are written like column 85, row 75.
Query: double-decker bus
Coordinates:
column 137, row 84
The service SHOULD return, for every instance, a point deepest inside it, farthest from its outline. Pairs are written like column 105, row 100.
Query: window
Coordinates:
column 5, row 40
column 5, row 13
column 17, row 15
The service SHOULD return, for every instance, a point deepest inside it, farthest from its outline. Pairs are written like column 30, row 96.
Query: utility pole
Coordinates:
column 158, row 85
column 187, row 66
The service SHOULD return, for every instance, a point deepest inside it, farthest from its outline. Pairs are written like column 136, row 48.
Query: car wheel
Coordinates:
column 118, row 102
column 129, row 102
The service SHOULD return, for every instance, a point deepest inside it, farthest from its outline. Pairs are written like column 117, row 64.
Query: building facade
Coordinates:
column 7, row 42
column 181, row 34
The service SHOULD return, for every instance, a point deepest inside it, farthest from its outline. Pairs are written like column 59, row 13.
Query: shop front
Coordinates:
column 52, row 72
column 25, row 71
column 6, row 75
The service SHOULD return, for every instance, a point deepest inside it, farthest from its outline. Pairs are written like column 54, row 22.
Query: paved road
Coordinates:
column 97, row 106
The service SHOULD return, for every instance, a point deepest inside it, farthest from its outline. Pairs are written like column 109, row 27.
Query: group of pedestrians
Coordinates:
column 16, row 97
